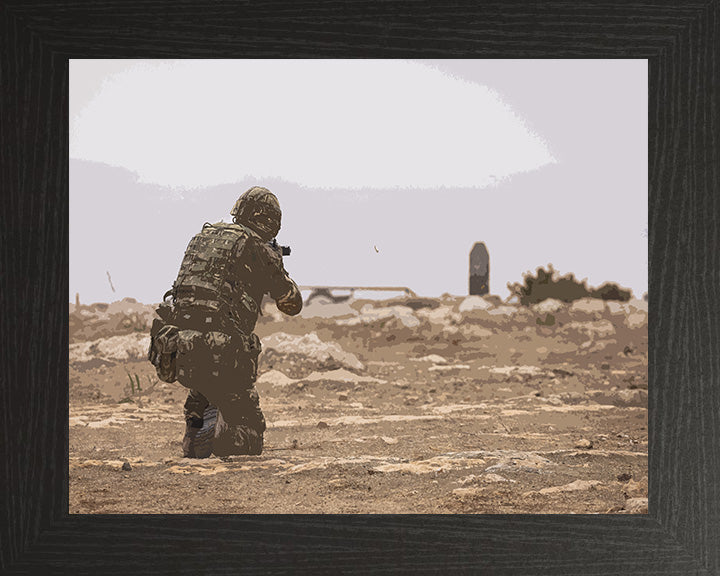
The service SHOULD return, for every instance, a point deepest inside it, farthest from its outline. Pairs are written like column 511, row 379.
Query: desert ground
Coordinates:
column 441, row 405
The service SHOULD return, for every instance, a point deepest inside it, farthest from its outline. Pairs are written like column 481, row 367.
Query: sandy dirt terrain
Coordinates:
column 410, row 405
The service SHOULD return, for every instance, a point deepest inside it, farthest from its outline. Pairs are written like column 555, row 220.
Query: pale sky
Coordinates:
column 544, row 161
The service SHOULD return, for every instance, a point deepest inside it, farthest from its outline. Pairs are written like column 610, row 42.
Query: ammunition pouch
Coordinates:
column 165, row 310
column 208, row 355
column 164, row 350
column 181, row 353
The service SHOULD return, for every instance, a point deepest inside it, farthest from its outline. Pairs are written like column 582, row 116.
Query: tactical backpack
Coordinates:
column 206, row 301
column 204, row 268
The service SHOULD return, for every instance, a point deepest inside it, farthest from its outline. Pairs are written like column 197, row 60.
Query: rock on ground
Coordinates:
column 549, row 306
column 474, row 303
column 592, row 307
column 369, row 314
column 115, row 348
column 325, row 308
column 635, row 506
column 311, row 347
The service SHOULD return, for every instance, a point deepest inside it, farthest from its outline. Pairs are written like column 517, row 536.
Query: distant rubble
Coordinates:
column 453, row 326
column 315, row 354
column 102, row 320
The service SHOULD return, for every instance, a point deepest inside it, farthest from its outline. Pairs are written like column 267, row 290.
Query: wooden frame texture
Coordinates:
column 681, row 535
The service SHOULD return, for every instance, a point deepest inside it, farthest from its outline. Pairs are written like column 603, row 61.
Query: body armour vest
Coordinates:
column 211, row 274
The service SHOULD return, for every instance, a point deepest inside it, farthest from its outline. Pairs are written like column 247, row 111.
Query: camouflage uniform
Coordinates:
column 226, row 270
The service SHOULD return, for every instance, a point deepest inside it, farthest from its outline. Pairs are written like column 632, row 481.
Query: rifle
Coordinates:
column 283, row 250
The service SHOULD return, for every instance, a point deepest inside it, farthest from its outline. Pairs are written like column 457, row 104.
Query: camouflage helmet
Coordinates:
column 258, row 209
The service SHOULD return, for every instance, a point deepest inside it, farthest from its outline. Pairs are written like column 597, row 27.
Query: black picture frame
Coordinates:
column 680, row 535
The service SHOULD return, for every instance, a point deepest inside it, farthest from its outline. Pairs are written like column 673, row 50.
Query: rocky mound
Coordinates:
column 101, row 320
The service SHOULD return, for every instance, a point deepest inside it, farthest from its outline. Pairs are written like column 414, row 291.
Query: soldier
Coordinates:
column 207, row 341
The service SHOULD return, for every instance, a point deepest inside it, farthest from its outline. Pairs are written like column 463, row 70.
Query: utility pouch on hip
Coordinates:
column 250, row 344
column 163, row 350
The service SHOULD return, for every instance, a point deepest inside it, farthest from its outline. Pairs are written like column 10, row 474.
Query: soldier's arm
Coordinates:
column 282, row 288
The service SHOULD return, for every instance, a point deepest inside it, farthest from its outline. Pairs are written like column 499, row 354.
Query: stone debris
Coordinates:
column 625, row 308
column 472, row 479
column 106, row 416
column 594, row 330
column 638, row 305
column 324, row 462
column 199, row 470
column 450, row 408
column 113, row 349
column 617, row 308
column 636, row 489
column 484, row 478
column 434, row 358
column 624, row 398
column 449, row 368
column 600, row 453
column 323, row 307
column 385, row 439
column 635, row 506
column 450, row 330
column 503, row 311
column 584, row 444
column 525, row 370
column 474, row 332
column 119, row 465
column 357, row 420
column 495, row 478
column 576, row 486
column 520, row 462
column 476, row 485
column 636, row 320
column 101, row 320
column 441, row 315
column 437, row 464
column 474, row 303
column 548, row 306
column 634, row 313
column 213, row 465
column 341, row 376
column 275, row 378
column 310, row 346
column 369, row 314
column 592, row 307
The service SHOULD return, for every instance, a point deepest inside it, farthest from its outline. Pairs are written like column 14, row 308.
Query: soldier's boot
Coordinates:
column 199, row 433
column 236, row 439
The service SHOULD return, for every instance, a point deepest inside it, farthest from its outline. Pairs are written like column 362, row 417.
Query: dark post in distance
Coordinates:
column 479, row 270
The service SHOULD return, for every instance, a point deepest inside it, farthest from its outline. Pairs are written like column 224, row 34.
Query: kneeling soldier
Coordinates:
column 206, row 339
